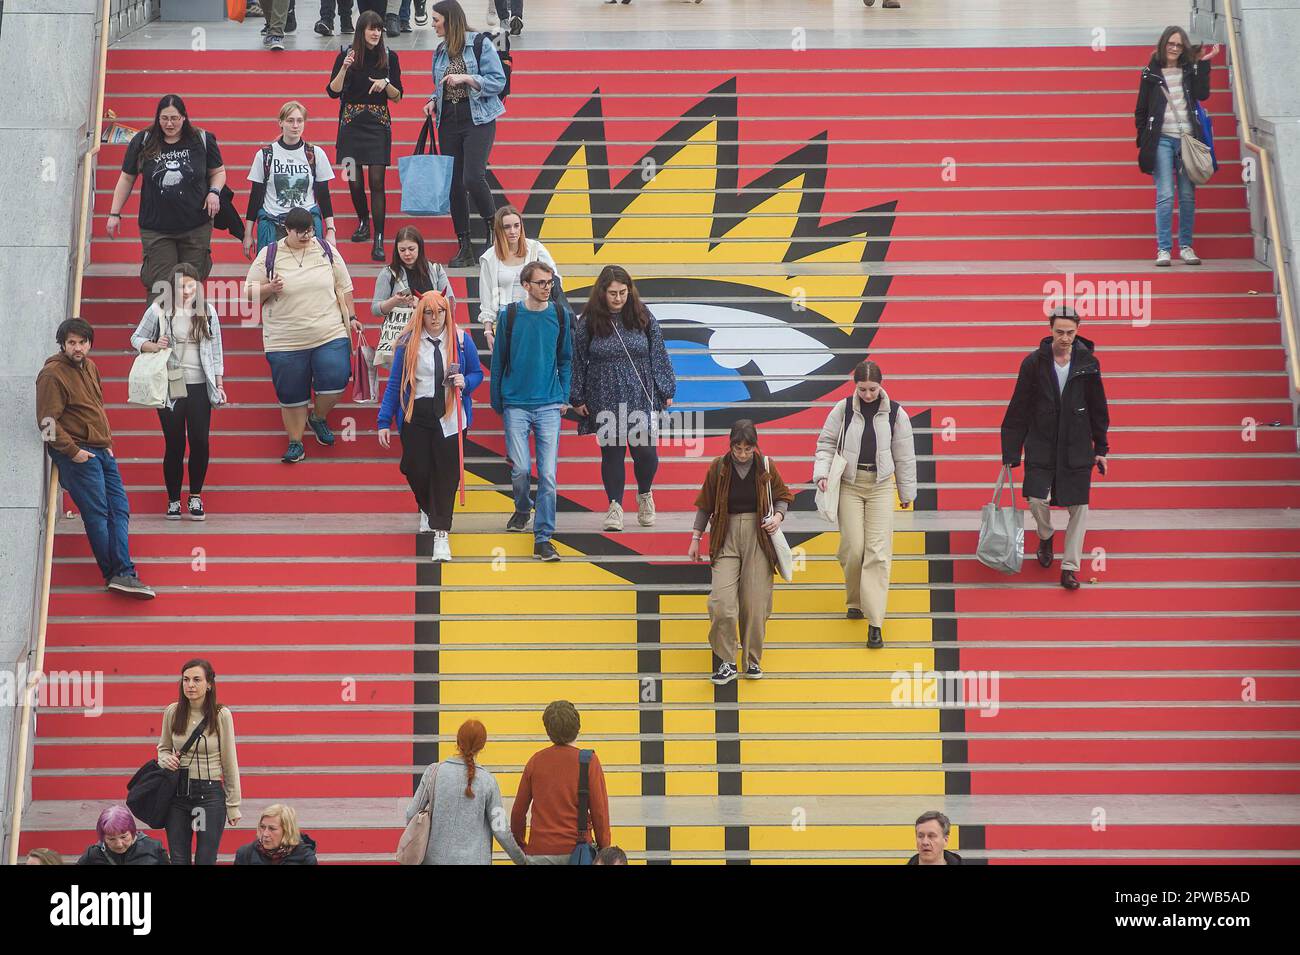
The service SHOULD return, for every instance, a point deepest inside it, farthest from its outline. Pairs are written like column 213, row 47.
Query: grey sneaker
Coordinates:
column 518, row 522
column 1163, row 258
column 614, row 517
column 725, row 674
column 545, row 550
column 274, row 41
column 322, row 431
column 1189, row 256
column 132, row 587
column 645, row 509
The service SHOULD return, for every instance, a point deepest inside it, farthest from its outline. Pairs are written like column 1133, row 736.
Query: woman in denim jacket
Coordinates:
column 467, row 82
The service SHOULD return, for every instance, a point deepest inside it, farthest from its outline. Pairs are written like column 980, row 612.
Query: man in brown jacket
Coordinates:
column 70, row 414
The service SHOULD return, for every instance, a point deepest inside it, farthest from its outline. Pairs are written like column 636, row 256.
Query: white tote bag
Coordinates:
column 784, row 557
column 828, row 501
column 148, row 386
column 388, row 335
column 1001, row 543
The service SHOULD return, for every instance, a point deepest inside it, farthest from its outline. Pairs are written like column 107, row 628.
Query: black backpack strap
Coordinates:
column 508, row 324
column 266, row 164
column 893, row 415
column 584, row 794
column 270, row 259
column 478, row 50
column 848, row 418
column 194, row 737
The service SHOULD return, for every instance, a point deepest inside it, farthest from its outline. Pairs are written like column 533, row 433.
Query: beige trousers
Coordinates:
column 866, row 551
column 1073, row 555
column 741, row 598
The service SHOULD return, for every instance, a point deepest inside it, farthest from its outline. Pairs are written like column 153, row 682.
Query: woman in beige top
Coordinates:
column 207, row 793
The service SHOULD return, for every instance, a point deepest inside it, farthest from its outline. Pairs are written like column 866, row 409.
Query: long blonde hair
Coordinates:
column 499, row 234
column 411, row 336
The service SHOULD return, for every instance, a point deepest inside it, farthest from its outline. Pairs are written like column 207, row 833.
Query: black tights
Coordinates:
column 645, row 462
column 358, row 189
column 190, row 416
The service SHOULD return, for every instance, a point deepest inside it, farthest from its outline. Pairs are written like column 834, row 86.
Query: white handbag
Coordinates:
column 828, row 501
column 784, row 556
column 393, row 325
column 149, row 384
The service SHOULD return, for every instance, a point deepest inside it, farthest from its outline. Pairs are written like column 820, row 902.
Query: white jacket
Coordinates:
column 896, row 457
column 491, row 296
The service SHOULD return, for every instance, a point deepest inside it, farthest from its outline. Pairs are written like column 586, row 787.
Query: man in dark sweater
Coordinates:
column 70, row 414
column 532, row 364
column 932, row 841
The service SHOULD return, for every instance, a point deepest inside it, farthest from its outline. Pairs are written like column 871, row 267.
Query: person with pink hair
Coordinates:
column 120, row 842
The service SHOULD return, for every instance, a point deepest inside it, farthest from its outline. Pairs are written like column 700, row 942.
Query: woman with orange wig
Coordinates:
column 464, row 800
column 435, row 369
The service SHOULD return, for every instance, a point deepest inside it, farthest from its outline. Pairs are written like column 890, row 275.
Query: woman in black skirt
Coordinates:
column 365, row 78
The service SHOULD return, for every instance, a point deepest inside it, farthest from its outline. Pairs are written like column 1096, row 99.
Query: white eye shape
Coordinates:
column 784, row 355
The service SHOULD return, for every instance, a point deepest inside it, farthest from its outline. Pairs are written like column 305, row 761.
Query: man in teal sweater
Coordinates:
column 532, row 363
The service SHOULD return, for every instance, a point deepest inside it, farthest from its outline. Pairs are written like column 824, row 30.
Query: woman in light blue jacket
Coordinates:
column 467, row 83
column 187, row 324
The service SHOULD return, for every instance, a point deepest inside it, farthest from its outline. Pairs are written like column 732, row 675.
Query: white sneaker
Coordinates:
column 441, row 547
column 645, row 509
column 614, row 517
column 1188, row 255
column 424, row 523
column 1163, row 258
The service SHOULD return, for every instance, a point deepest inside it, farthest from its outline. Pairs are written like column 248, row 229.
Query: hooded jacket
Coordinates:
column 304, row 853
column 71, row 396
column 146, row 850
column 1061, row 432
column 1152, row 100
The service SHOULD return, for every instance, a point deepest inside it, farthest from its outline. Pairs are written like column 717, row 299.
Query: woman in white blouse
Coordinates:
column 500, row 265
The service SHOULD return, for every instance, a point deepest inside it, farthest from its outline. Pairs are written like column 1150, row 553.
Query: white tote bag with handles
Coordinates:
column 828, row 501
column 148, row 385
column 784, row 556
column 1002, row 530
column 388, row 335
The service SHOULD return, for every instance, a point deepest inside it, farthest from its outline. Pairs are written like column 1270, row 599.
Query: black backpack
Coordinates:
column 848, row 418
column 502, row 43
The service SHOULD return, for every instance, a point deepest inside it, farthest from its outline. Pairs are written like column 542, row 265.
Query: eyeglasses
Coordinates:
column 1173, row 45
column 303, row 233
column 543, row 283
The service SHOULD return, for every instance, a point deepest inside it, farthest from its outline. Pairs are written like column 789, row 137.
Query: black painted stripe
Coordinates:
column 428, row 601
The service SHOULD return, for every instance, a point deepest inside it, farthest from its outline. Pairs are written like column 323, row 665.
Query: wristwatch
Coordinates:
column 215, row 191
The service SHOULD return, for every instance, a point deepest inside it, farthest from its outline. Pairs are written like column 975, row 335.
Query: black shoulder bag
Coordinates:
column 151, row 790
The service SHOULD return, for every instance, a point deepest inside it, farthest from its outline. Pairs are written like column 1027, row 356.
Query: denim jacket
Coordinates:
column 484, row 104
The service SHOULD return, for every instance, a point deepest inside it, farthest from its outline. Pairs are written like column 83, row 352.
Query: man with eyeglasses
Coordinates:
column 306, row 312
column 532, row 361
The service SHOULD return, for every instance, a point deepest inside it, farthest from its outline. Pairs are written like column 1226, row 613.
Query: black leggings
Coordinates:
column 469, row 146
column 645, row 462
column 190, row 416
column 357, row 187
column 504, row 8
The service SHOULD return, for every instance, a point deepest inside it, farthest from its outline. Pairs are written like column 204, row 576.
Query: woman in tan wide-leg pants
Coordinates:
column 743, row 500
column 866, row 450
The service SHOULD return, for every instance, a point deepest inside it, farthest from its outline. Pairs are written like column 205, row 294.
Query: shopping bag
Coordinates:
column 365, row 376
column 236, row 10
column 425, row 178
column 1002, row 530
column 148, row 384
column 389, row 334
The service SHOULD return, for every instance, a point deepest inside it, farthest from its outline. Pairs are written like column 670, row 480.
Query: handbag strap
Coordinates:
column 194, row 737
column 644, row 390
column 427, row 135
column 433, row 778
column 584, row 793
column 1004, row 477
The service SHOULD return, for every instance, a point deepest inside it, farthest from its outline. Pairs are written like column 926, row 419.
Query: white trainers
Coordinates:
column 441, row 547
column 424, row 523
column 1188, row 255
column 1163, row 258
column 614, row 517
column 645, row 509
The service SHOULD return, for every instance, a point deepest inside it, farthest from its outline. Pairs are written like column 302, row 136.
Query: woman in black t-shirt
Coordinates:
column 179, row 196
column 365, row 78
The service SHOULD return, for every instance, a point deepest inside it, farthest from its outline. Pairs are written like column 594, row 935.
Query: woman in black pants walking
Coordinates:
column 365, row 78
column 208, row 789
column 186, row 323
column 467, row 82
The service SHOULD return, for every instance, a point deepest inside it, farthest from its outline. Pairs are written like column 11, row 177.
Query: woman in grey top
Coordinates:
column 467, row 811
column 408, row 276
column 622, row 380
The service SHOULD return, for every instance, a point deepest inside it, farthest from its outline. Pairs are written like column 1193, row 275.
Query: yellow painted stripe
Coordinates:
column 777, row 661
column 697, row 838
column 779, row 690
column 700, row 752
column 831, row 720
column 804, row 601
column 541, row 692
column 814, row 752
column 612, row 752
column 531, row 574
column 538, row 661
column 836, row 630
column 757, row 783
column 531, row 602
column 595, row 723
column 541, row 630
column 691, row 784
column 689, row 721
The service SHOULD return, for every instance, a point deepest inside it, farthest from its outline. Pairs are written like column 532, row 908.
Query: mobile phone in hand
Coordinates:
column 452, row 371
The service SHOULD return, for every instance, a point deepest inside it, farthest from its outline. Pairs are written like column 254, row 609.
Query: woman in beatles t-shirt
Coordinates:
column 294, row 181
column 179, row 197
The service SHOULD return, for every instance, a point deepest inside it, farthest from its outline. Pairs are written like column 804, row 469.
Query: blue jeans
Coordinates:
column 404, row 15
column 1169, row 164
column 545, row 425
column 96, row 489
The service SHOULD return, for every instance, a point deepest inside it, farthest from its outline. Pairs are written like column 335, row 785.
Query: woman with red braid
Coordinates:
column 435, row 369
column 466, row 811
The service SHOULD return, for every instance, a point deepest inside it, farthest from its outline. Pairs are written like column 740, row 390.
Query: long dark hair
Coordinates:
column 421, row 267
column 456, row 28
column 200, row 324
column 211, row 708
column 600, row 321
column 154, row 140
column 1189, row 54
column 368, row 19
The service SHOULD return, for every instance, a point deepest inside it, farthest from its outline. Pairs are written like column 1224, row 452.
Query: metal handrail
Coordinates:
column 51, row 498
column 1242, row 109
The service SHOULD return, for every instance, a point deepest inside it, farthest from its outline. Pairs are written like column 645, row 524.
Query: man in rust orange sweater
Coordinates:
column 550, row 785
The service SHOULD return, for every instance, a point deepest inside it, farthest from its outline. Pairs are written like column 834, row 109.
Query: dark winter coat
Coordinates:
column 304, row 853
column 949, row 858
column 1061, row 433
column 146, row 850
column 1152, row 100
column 604, row 377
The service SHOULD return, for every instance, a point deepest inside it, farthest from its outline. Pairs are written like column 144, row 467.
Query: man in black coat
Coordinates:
column 1058, row 415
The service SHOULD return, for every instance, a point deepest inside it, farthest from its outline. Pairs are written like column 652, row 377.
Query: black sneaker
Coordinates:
column 323, row 28
column 173, row 510
column 545, row 550
column 875, row 639
column 132, row 587
column 516, row 26
column 518, row 521
column 853, row 613
column 391, row 25
column 753, row 672
column 421, row 14
column 196, row 508
column 723, row 675
column 406, row 26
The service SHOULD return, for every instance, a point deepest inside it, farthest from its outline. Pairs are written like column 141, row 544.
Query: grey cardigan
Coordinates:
column 462, row 828
column 211, row 356
column 386, row 286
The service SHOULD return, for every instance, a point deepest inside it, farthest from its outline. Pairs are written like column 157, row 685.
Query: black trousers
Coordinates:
column 645, row 462
column 189, row 420
column 198, row 818
column 431, row 463
column 469, row 146
column 506, row 7
column 327, row 9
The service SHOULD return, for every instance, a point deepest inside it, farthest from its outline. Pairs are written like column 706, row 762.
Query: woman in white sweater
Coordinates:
column 499, row 267
column 877, row 460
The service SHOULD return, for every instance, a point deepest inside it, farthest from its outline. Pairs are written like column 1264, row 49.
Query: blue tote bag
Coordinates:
column 426, row 178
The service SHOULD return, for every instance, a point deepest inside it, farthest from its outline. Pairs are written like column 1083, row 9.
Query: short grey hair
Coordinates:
column 935, row 815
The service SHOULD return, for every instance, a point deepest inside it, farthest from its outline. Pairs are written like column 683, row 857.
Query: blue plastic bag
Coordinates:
column 426, row 178
column 1207, row 132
